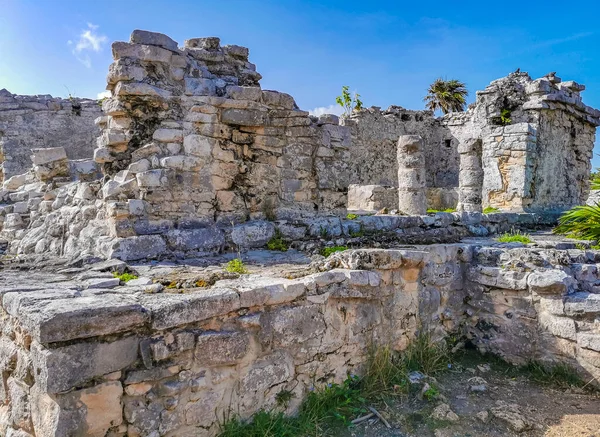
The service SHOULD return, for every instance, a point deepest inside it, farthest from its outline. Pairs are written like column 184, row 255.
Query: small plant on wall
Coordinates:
column 349, row 102
column 503, row 119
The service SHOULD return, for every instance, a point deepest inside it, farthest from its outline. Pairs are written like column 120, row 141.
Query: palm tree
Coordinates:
column 446, row 95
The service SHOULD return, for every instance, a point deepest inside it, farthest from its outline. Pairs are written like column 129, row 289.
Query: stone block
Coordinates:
column 170, row 310
column 168, row 135
column 244, row 117
column 60, row 319
column 209, row 240
column 221, row 348
column 61, row 369
column 582, row 303
column 46, row 156
column 153, row 39
column 199, row 145
column 140, row 247
column 549, row 282
column 589, row 340
column 253, row 234
column 90, row 411
column 560, row 326
column 199, row 87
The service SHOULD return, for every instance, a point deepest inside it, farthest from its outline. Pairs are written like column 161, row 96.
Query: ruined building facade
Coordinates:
column 191, row 147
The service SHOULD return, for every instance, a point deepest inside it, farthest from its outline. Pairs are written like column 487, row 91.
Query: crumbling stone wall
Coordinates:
column 125, row 361
column 375, row 134
column 536, row 158
column 32, row 122
column 190, row 139
column 133, row 363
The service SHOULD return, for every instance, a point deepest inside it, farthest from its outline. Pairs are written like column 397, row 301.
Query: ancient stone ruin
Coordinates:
column 195, row 164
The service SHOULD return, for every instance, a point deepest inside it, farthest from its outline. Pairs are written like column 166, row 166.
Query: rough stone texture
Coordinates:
column 372, row 198
column 32, row 122
column 171, row 364
column 471, row 176
column 538, row 157
column 375, row 134
column 198, row 159
column 412, row 199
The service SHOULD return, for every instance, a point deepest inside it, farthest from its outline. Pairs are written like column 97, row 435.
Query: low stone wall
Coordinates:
column 72, row 221
column 33, row 122
column 125, row 361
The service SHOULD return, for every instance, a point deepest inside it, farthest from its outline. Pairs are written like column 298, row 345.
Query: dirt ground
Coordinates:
column 511, row 404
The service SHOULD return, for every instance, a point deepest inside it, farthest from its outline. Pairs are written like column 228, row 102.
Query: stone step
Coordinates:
column 582, row 304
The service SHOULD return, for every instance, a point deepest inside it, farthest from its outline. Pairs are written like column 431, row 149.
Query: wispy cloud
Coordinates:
column 553, row 42
column 103, row 95
column 331, row 109
column 90, row 40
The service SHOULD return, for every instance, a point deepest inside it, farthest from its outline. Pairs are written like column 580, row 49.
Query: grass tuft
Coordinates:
column 351, row 216
column 426, row 356
column 559, row 375
column 236, row 266
column 326, row 251
column 514, row 237
column 124, row 277
column 434, row 211
column 329, row 408
column 277, row 243
column 490, row 210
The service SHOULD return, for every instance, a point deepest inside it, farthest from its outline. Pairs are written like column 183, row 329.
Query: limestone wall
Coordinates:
column 135, row 361
column 32, row 122
column 375, row 134
column 191, row 139
column 125, row 362
column 536, row 305
column 537, row 141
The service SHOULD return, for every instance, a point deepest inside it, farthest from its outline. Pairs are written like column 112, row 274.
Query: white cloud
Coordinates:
column 90, row 40
column 103, row 95
column 331, row 109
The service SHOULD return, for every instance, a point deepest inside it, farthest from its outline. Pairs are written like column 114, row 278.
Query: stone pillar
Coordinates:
column 412, row 197
column 470, row 178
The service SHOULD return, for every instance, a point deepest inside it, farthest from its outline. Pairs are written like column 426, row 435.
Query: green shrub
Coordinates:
column 349, row 102
column 435, row 211
column 326, row 251
column 490, row 210
column 514, row 237
column 580, row 222
column 352, row 216
column 236, row 266
column 124, row 277
column 277, row 243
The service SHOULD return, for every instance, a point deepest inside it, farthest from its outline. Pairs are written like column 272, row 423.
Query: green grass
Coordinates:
column 326, row 251
column 124, row 277
column 236, row 266
column 559, row 375
column 277, row 243
column 490, row 210
column 434, row 211
column 514, row 237
column 352, row 216
column 329, row 408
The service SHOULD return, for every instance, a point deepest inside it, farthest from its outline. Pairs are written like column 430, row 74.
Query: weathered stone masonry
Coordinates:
column 123, row 361
column 32, row 122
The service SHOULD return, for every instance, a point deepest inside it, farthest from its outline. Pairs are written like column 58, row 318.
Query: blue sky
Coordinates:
column 388, row 51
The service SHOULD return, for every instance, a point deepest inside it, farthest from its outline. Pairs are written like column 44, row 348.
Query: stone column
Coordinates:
column 412, row 198
column 470, row 178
